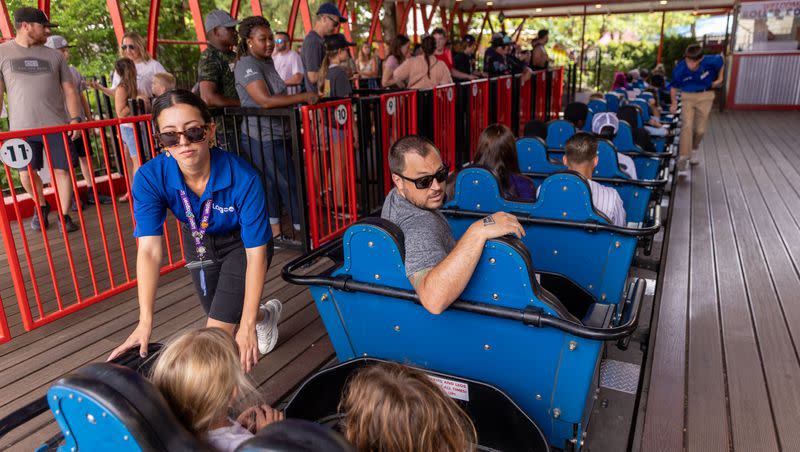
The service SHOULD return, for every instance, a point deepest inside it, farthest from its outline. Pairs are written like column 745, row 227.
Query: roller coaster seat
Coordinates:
column 597, row 106
column 558, row 132
column 646, row 167
column 296, row 435
column 598, row 261
column 534, row 366
column 612, row 102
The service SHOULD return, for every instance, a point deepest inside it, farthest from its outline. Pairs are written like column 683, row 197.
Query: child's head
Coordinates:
column 393, row 408
column 162, row 82
column 200, row 375
column 580, row 153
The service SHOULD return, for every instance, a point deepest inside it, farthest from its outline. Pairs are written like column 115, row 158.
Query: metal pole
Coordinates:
column 583, row 39
column 661, row 39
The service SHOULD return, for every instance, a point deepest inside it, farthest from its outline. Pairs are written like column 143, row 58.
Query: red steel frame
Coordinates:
column 556, row 92
column 503, row 106
column 44, row 315
column 524, row 103
column 478, row 112
column 398, row 119
column 328, row 142
column 444, row 122
column 5, row 334
column 540, row 104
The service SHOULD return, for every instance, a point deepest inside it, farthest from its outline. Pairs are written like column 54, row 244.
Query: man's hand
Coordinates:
column 498, row 225
column 257, row 417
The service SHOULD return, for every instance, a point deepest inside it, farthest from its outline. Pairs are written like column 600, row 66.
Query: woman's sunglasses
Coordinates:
column 194, row 134
column 127, row 47
column 279, row 40
column 425, row 182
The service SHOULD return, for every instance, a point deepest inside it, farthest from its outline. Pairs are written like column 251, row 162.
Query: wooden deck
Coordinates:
column 725, row 373
column 31, row 361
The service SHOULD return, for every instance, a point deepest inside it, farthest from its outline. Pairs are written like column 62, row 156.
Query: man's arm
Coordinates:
column 212, row 97
column 462, row 75
column 2, row 91
column 73, row 105
column 720, row 76
column 294, row 80
column 440, row 286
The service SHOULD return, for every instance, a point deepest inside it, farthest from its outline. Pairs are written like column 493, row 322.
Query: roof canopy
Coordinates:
column 549, row 8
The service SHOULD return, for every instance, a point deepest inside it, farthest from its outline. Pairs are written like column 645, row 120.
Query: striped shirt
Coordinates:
column 606, row 200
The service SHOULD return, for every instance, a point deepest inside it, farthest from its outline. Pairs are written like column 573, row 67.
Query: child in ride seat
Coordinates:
column 200, row 376
column 605, row 125
column 393, row 408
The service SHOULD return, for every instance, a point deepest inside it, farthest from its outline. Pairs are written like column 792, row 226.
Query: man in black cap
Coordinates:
column 38, row 84
column 328, row 21
column 464, row 61
column 215, row 68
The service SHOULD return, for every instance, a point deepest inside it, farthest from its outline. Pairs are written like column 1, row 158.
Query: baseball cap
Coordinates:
column 499, row 39
column 604, row 119
column 219, row 18
column 469, row 39
column 336, row 42
column 331, row 10
column 33, row 16
column 56, row 42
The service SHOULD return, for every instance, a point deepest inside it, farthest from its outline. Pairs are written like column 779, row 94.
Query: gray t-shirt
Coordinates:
column 336, row 83
column 313, row 54
column 428, row 237
column 248, row 70
column 33, row 78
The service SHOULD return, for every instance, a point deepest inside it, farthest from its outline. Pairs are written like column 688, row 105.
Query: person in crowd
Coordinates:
column 336, row 84
column 327, row 23
column 37, row 92
column 349, row 66
column 126, row 91
column 695, row 76
column 82, row 148
column 390, row 407
column 464, row 60
column 620, row 82
column 367, row 66
column 539, row 59
column 576, row 113
column 605, row 125
column 133, row 47
column 636, row 79
column 218, row 198
column 524, row 56
column 417, row 51
column 263, row 138
column 163, row 82
column 535, row 128
column 424, row 71
column 495, row 61
column 215, row 68
column 580, row 155
column 199, row 375
column 288, row 63
column 437, row 267
column 399, row 51
column 442, row 52
column 497, row 151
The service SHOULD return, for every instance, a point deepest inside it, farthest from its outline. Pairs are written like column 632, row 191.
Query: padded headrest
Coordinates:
column 130, row 399
column 375, row 247
column 567, row 196
column 296, row 435
column 532, row 157
column 558, row 132
column 608, row 163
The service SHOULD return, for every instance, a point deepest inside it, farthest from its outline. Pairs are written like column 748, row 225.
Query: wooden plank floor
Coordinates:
column 725, row 366
column 31, row 361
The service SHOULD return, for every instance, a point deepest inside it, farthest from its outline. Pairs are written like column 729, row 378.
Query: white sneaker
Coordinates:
column 267, row 329
column 694, row 160
column 682, row 163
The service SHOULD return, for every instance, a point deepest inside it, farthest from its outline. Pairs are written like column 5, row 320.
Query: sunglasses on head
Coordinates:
column 425, row 182
column 127, row 47
column 193, row 134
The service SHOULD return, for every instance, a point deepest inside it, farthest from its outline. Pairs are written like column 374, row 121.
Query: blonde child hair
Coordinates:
column 200, row 375
column 394, row 408
column 166, row 80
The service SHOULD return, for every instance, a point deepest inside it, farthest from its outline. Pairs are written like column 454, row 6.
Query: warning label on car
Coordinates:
column 455, row 389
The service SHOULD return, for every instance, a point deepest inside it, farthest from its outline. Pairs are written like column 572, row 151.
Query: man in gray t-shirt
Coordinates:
column 437, row 266
column 313, row 51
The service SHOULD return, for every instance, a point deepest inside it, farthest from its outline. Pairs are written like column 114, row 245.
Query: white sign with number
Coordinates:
column 340, row 114
column 508, row 83
column 16, row 153
column 474, row 90
column 449, row 94
column 391, row 107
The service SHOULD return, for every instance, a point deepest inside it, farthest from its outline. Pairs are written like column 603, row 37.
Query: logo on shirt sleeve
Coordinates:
column 249, row 73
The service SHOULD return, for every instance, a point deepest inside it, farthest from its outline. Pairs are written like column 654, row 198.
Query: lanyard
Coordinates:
column 197, row 234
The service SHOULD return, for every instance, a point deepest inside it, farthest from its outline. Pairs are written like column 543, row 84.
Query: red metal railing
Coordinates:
column 330, row 169
column 444, row 123
column 478, row 112
column 5, row 334
column 398, row 119
column 83, row 267
column 556, row 92
column 504, row 100
column 524, row 103
column 540, row 103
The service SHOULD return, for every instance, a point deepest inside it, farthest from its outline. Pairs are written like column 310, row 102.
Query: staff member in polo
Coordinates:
column 227, row 241
column 696, row 76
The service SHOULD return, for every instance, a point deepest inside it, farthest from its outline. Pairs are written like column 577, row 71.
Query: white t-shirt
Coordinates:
column 144, row 76
column 227, row 439
column 287, row 64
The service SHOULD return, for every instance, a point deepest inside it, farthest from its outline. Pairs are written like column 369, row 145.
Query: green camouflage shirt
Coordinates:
column 217, row 66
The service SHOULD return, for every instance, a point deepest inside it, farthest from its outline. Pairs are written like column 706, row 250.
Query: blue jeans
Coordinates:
column 272, row 159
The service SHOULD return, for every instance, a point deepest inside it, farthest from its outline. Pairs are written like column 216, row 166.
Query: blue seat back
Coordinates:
column 532, row 365
column 612, row 102
column 597, row 261
column 587, row 125
column 558, row 132
column 532, row 156
column 644, row 109
column 608, row 162
column 597, row 106
column 646, row 168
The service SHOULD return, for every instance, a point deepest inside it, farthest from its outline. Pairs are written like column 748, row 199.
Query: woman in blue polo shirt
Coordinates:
column 696, row 76
column 228, row 246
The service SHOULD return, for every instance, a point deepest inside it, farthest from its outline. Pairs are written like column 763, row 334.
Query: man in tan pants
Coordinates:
column 695, row 76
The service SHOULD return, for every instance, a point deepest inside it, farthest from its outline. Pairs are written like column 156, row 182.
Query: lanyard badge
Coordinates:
column 198, row 232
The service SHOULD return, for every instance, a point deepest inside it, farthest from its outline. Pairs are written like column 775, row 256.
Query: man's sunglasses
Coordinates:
column 194, row 134
column 425, row 182
column 279, row 40
column 127, row 47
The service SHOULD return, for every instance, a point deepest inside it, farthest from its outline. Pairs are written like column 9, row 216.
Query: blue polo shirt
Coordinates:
column 234, row 186
column 699, row 80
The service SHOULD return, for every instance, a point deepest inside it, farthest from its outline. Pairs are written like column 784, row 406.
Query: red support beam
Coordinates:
column 152, row 28
column 661, row 38
column 44, row 5
column 5, row 21
column 346, row 26
column 518, row 31
column 116, row 19
column 483, row 25
column 464, row 25
column 426, row 18
column 305, row 15
column 197, row 17
column 375, row 25
column 292, row 20
column 235, row 8
column 416, row 30
column 255, row 5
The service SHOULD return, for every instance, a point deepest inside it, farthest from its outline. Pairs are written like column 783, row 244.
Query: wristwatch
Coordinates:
column 76, row 118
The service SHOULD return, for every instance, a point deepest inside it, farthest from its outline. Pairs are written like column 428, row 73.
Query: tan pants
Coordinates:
column 694, row 114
